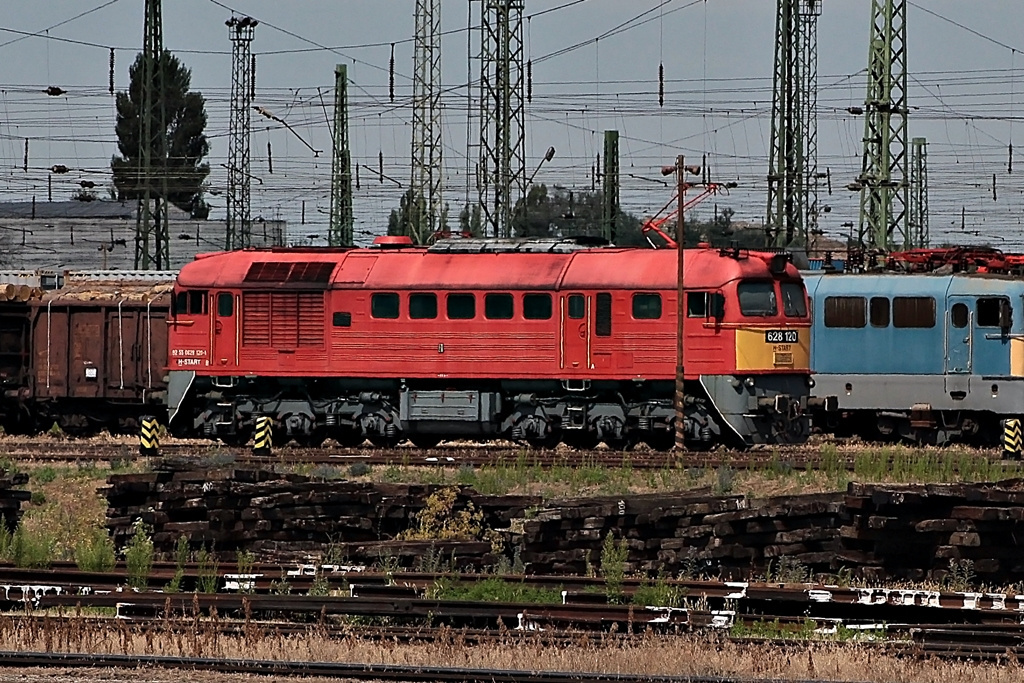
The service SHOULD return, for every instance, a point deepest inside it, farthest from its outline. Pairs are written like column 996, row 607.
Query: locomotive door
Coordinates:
column 959, row 334
column 225, row 331
column 575, row 332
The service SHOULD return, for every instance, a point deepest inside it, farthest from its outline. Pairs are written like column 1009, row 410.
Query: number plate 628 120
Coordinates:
column 781, row 336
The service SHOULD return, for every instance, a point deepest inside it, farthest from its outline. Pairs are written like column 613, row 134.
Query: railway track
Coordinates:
column 804, row 457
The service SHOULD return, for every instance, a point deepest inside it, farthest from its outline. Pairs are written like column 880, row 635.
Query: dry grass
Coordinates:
column 654, row 655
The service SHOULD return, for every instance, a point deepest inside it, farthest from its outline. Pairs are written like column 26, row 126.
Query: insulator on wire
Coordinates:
column 55, row 91
column 994, row 197
column 59, row 168
column 529, row 81
column 252, row 84
column 270, row 159
column 25, row 165
column 357, row 176
column 1009, row 161
column 380, row 163
column 111, row 71
column 391, row 76
column 661, row 84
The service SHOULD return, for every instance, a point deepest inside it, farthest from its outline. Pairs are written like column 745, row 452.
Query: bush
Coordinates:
column 31, row 550
column 95, row 552
column 139, row 557
column 439, row 521
column 206, row 572
column 180, row 560
column 613, row 567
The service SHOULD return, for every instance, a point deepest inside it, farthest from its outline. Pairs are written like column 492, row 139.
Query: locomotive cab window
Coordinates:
column 190, row 302
column 422, row 306
column 225, row 305
column 498, row 306
column 577, row 307
column 384, row 305
column 988, row 311
column 757, row 299
column 959, row 315
column 603, row 322
column 845, row 311
column 461, row 306
column 646, row 306
column 794, row 303
column 537, row 306
column 341, row 319
column 879, row 311
column 913, row 311
column 697, row 304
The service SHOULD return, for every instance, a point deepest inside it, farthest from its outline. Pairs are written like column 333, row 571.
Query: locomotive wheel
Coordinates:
column 425, row 440
column 661, row 441
column 622, row 444
column 237, row 439
column 544, row 442
column 382, row 441
column 314, row 440
column 348, row 438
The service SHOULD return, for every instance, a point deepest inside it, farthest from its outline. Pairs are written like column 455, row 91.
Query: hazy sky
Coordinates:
column 718, row 54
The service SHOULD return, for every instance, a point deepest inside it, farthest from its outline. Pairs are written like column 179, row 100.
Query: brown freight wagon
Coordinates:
column 15, row 357
column 99, row 353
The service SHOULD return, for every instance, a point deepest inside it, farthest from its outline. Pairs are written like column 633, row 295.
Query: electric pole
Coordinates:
column 152, row 243
column 501, row 174
column 426, row 123
column 919, row 230
column 239, row 225
column 610, row 185
column 884, row 180
column 341, row 166
column 792, row 173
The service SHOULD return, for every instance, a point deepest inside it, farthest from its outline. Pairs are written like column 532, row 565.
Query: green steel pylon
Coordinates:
column 884, row 179
column 610, row 185
column 341, row 166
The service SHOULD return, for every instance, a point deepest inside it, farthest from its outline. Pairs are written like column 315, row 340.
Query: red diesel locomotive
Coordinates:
column 536, row 341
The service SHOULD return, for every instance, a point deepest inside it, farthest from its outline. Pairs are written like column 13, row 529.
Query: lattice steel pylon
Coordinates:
column 152, row 242
column 426, row 122
column 241, row 31
column 342, row 218
column 501, row 173
column 919, row 229
column 792, row 172
column 884, row 179
column 610, row 186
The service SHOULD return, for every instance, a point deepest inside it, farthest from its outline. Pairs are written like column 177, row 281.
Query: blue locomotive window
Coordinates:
column 603, row 322
column 845, row 311
column 959, row 315
column 384, row 305
column 646, row 306
column 461, row 306
column 577, row 307
column 498, row 306
column 988, row 311
column 913, row 311
column 794, row 303
column 757, row 299
column 879, row 311
column 537, row 306
column 422, row 306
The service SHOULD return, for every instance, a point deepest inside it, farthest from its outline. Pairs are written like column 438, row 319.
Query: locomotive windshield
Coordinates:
column 757, row 299
column 794, row 303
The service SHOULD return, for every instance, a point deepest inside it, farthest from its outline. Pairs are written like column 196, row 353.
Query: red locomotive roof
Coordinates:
column 404, row 268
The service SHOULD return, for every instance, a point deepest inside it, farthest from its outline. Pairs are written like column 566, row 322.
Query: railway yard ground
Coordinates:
column 391, row 613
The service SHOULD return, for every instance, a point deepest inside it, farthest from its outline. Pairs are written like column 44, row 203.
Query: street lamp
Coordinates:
column 548, row 156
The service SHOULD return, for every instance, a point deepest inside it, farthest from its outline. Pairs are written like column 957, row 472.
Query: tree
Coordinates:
column 184, row 137
column 564, row 213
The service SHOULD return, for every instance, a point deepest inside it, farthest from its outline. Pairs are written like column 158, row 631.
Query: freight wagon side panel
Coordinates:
column 50, row 351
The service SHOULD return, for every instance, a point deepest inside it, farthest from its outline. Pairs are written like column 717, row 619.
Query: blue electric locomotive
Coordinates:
column 927, row 358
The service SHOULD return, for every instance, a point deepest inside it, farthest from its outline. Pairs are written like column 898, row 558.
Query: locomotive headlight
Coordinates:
column 735, row 382
column 749, row 382
column 810, row 382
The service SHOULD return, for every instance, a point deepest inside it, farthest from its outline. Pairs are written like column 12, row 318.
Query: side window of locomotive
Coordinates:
column 537, row 306
column 879, row 311
column 959, row 315
column 845, row 311
column 794, row 303
column 341, row 319
column 191, row 302
column 757, row 299
column 988, row 311
column 461, row 306
column 498, row 306
column 603, row 322
column 577, row 307
column 697, row 304
column 422, row 306
column 225, row 305
column 913, row 311
column 646, row 306
column 384, row 305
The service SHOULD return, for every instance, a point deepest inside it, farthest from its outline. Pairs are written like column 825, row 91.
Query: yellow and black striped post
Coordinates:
column 264, row 436
column 149, row 437
column 1012, row 444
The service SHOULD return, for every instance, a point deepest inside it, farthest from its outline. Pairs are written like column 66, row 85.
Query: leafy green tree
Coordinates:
column 183, row 136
